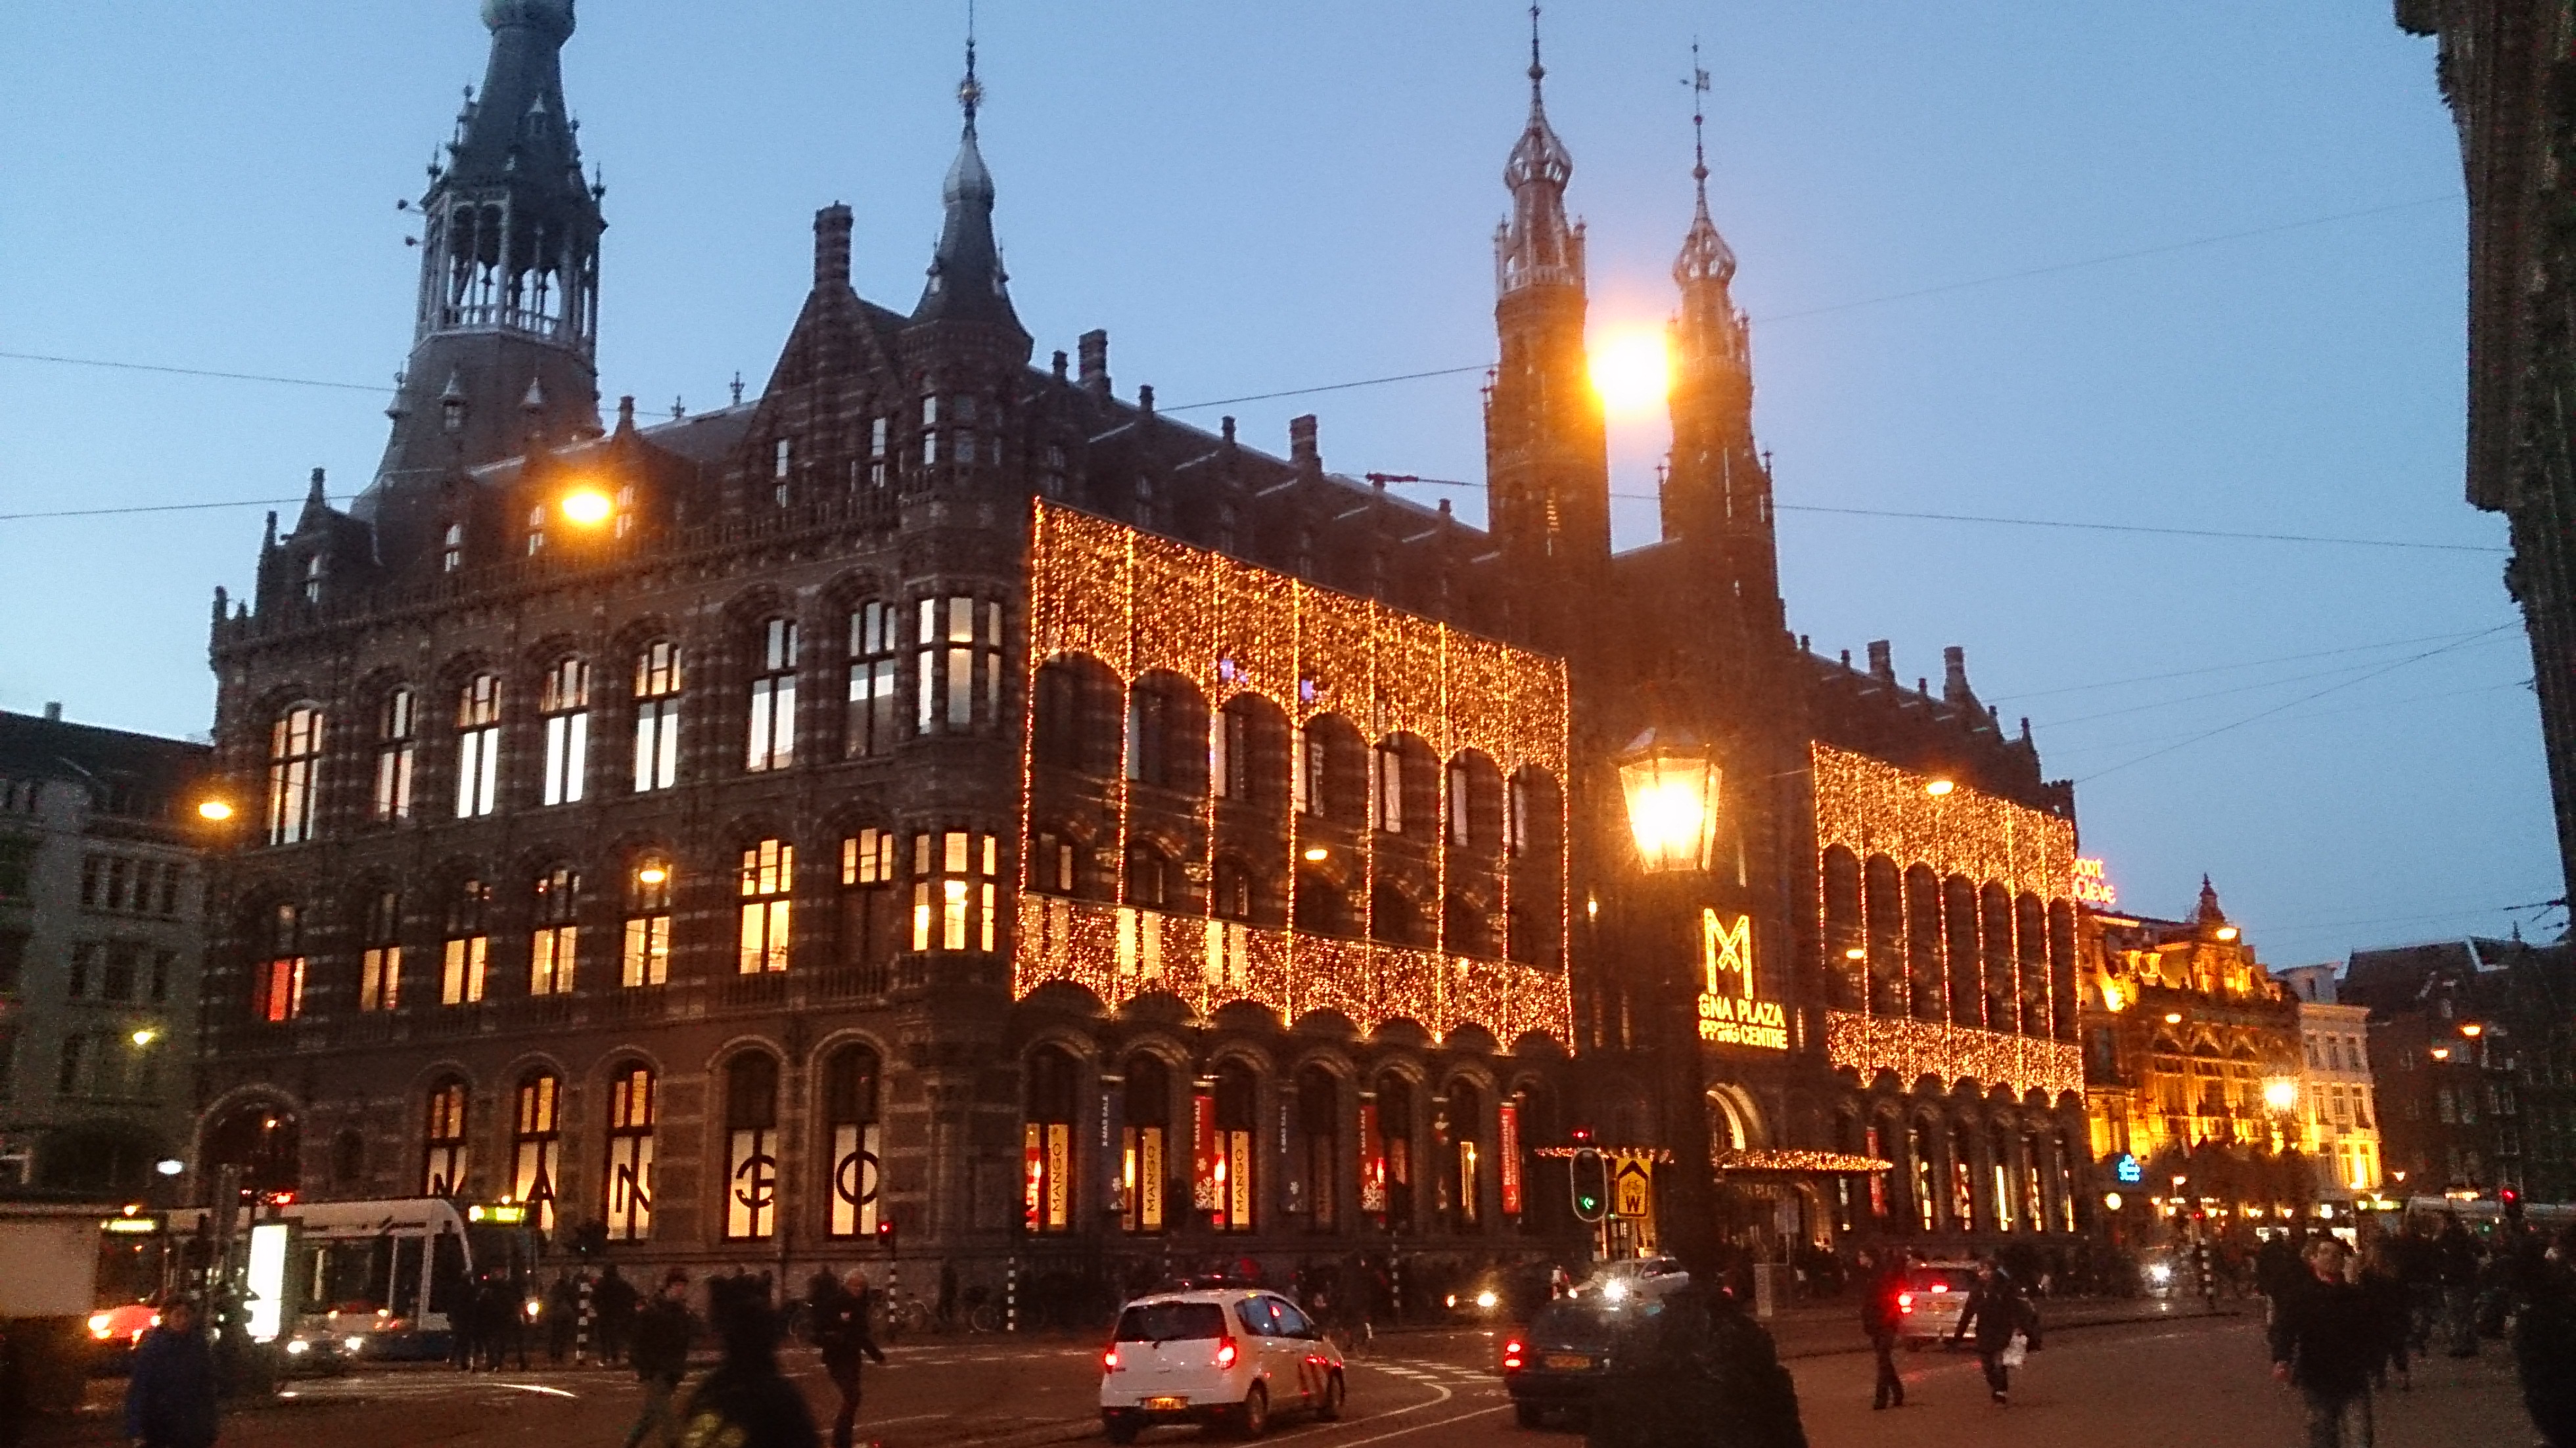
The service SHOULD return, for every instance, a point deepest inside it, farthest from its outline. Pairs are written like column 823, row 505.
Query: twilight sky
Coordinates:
column 1261, row 197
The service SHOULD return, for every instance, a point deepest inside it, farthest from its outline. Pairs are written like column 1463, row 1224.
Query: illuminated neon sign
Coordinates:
column 2091, row 884
column 1730, row 1014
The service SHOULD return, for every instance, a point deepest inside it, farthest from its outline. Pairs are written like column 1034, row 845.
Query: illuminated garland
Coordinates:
column 1950, row 1054
column 1141, row 604
column 1870, row 807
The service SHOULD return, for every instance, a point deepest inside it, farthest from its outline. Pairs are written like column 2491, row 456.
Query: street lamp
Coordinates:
column 214, row 811
column 588, row 507
column 2281, row 1093
column 1671, row 784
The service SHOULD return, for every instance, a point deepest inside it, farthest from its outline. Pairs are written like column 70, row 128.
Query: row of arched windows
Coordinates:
column 1907, row 942
column 1958, row 1176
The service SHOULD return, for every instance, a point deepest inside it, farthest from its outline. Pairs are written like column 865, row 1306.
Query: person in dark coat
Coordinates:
column 1882, row 1317
column 170, row 1399
column 612, row 1308
column 1995, row 1310
column 2391, row 1313
column 746, row 1402
column 841, row 1331
column 2544, row 1342
column 1692, row 1368
column 2324, row 1341
column 563, row 1314
column 661, row 1354
column 2455, row 1265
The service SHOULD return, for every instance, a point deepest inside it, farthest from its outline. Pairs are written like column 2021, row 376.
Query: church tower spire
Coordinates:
column 1546, row 455
column 1717, row 487
column 967, row 282
column 509, row 268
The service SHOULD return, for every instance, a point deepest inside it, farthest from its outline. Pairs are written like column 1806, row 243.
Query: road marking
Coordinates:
column 1418, row 1427
column 537, row 1388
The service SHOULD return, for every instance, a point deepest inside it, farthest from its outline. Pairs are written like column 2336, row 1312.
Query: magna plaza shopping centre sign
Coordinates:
column 1730, row 1014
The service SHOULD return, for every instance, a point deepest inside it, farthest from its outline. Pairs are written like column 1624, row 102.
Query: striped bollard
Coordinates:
column 1011, row 1297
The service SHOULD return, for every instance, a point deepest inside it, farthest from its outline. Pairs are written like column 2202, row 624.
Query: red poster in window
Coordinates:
column 1509, row 1139
column 1372, row 1161
column 1206, row 1194
column 1032, row 1176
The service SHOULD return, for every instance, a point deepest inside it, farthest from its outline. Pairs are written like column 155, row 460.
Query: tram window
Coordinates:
column 407, row 1254
column 447, row 1274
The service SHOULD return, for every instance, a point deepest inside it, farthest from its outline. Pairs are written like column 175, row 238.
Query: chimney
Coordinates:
column 1059, row 366
column 1145, row 399
column 1302, row 451
column 832, row 246
column 1094, row 349
column 1954, row 676
column 1882, row 665
column 53, row 711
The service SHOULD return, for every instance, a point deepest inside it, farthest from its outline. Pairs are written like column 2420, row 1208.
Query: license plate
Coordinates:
column 1569, row 1361
column 1165, row 1405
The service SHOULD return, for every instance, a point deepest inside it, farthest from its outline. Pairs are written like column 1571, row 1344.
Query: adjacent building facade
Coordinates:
column 2337, row 1102
column 943, row 795
column 102, row 886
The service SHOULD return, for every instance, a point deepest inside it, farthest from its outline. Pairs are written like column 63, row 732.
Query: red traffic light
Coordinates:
column 1582, row 1134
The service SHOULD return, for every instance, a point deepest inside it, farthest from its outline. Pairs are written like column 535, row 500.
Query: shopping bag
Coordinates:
column 2014, row 1351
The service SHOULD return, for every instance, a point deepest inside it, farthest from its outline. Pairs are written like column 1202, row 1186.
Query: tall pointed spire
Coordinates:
column 1705, row 255
column 967, row 283
column 1538, row 246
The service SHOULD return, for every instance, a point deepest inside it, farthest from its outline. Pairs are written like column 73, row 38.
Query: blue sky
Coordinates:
column 1259, row 197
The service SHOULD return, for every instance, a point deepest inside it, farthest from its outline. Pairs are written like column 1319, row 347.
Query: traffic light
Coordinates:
column 885, row 1234
column 1591, row 1185
column 2512, row 1201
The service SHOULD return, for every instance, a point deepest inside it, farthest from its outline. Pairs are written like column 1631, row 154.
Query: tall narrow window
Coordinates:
column 645, row 958
column 313, row 579
column 768, row 878
column 630, row 1153
column 1516, row 818
column 460, row 975
column 850, row 1110
column 280, row 994
column 294, row 760
column 397, row 742
column 478, row 746
column 564, row 702
column 380, row 954
column 1046, row 1143
column 657, row 716
column 871, row 911
column 442, row 1170
column 1231, row 1123
column 953, row 891
column 536, row 530
column 1386, row 788
column 868, row 726
column 1310, row 773
column 1319, row 1128
column 1462, row 1182
column 1149, row 727
column 536, row 1136
column 1460, row 833
column 451, row 554
column 960, row 665
column 1230, row 754
column 782, row 455
column 1144, row 1144
column 751, row 1147
column 555, row 946
column 773, row 699
column 877, row 428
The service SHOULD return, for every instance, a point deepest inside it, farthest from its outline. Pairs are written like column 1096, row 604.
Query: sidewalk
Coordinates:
column 1824, row 1329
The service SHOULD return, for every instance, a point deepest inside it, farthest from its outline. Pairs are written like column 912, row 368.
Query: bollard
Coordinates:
column 581, row 1332
column 1011, row 1297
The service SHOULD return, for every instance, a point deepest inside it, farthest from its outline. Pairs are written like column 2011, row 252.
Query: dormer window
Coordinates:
column 878, row 427
column 536, row 530
column 780, row 455
column 452, row 549
column 313, row 579
column 625, row 510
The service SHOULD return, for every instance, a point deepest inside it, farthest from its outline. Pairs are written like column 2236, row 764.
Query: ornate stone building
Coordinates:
column 942, row 792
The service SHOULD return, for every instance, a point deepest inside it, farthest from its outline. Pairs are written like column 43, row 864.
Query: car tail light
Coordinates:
column 1905, row 1302
column 1225, row 1352
column 1940, row 1286
column 1512, row 1353
column 1109, row 1361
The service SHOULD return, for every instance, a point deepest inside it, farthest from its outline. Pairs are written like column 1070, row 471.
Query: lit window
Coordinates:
column 554, row 948
column 1149, row 729
column 630, row 1153
column 442, row 1171
column 536, row 530
column 961, row 644
column 536, row 1136
column 773, row 699
column 953, row 891
column 1144, row 1144
column 460, row 976
column 313, row 579
column 1046, row 1142
column 657, row 717
column 1230, row 754
column 1459, row 781
column 478, row 746
column 451, row 556
column 768, row 875
column 858, row 1172
column 564, row 704
column 380, row 954
column 751, row 1147
column 870, row 723
column 871, row 909
column 625, row 524
column 294, row 762
column 397, row 744
column 280, row 996
column 1309, row 772
column 645, row 958
column 1386, row 788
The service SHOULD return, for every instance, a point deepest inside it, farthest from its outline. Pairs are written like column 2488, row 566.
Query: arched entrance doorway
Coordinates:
column 263, row 1138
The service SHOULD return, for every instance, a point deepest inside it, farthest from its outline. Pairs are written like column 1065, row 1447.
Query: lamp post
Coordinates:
column 1669, row 780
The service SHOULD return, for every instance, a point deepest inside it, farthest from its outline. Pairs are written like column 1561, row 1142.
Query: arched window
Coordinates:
column 1923, row 1155
column 645, row 957
column 478, row 746
column 1321, row 907
column 1846, row 953
column 2002, row 1001
column 1062, row 727
column 1884, row 909
column 629, row 1189
column 2007, row 1193
column 772, row 740
column 1386, row 1153
column 1959, row 925
column 1231, row 749
column 960, row 665
column 1463, row 1183
column 442, row 1171
column 1330, row 776
column 2034, row 1193
column 657, row 716
column 858, row 1167
column 1963, row 1194
column 294, row 767
column 1148, row 876
column 263, row 1139
column 348, row 1159
column 873, row 714
column 1230, row 889
column 1046, row 1144
column 380, row 953
column 460, row 975
column 397, row 743
column 1319, row 1129
column 1923, row 944
column 954, row 877
column 1144, row 1143
column 751, row 1150
column 1465, row 927
column 1234, row 1127
column 279, row 993
column 563, row 702
column 536, row 1135
column 768, row 879
column 2030, row 959
column 554, row 949
column 871, row 907
column 1393, row 917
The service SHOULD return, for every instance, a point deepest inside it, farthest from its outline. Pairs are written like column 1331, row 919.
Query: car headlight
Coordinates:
column 355, row 1344
column 2159, row 1273
column 1487, row 1299
column 1615, row 1290
column 298, row 1348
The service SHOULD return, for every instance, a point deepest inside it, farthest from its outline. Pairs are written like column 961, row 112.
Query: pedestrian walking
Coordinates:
column 746, row 1402
column 612, row 1305
column 2544, row 1341
column 2455, row 1265
column 1882, row 1317
column 662, row 1332
column 2416, row 1268
column 1998, row 1314
column 2390, row 1304
column 563, row 1310
column 170, row 1398
column 841, row 1331
column 2324, row 1341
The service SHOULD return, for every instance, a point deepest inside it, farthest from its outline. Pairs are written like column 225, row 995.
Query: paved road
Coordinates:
column 2169, row 1384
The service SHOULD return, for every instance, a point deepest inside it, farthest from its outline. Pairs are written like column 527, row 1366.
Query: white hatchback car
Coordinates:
column 1232, row 1357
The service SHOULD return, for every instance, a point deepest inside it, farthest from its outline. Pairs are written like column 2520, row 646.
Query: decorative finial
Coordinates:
column 970, row 92
column 1537, row 72
column 1699, row 123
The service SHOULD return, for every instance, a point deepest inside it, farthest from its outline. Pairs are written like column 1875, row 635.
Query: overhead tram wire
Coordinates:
column 2225, row 668
column 2485, row 637
column 116, row 366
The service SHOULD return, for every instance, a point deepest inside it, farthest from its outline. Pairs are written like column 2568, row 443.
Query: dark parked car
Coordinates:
column 1558, row 1360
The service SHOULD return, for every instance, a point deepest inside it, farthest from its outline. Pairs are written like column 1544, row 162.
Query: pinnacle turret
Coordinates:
column 967, row 282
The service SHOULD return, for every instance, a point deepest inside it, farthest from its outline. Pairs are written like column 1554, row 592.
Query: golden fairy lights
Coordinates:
column 1141, row 604
column 1913, row 1049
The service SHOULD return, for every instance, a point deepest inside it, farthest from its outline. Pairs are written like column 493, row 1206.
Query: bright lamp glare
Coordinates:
column 1668, row 818
column 2280, row 1095
column 1631, row 371
column 214, row 809
column 587, row 506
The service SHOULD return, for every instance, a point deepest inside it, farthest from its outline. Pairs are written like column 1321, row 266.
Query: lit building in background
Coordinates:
column 2338, row 1111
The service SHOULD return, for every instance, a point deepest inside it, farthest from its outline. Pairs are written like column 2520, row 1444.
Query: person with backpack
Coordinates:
column 1998, row 1313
